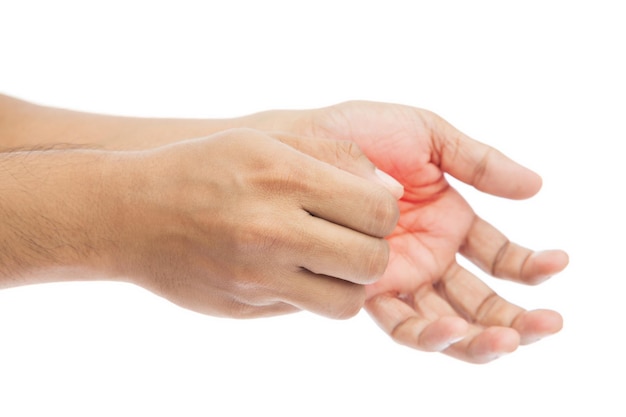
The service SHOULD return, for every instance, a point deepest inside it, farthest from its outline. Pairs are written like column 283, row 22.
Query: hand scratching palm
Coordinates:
column 425, row 299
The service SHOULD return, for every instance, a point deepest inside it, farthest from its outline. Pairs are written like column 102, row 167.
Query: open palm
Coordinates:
column 425, row 299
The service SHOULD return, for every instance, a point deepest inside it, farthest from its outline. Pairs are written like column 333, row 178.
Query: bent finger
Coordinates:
column 407, row 327
column 473, row 299
column 324, row 295
column 485, row 345
column 345, row 155
column 342, row 198
column 329, row 249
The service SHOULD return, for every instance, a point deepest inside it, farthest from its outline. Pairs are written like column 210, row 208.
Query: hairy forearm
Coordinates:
column 50, row 205
column 54, row 199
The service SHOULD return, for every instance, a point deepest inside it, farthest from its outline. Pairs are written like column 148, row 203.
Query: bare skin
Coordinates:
column 424, row 299
column 214, row 224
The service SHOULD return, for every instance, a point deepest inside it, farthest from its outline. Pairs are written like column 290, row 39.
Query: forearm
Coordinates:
column 55, row 201
column 27, row 125
column 51, row 208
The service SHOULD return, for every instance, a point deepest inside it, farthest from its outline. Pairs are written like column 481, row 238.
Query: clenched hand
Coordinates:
column 243, row 224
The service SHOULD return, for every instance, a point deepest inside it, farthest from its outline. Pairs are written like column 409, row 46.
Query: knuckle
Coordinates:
column 261, row 234
column 377, row 261
column 351, row 152
column 351, row 303
column 352, row 149
column 259, row 245
column 385, row 213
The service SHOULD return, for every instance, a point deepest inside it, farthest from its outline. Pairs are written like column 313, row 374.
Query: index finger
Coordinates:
column 495, row 254
column 480, row 165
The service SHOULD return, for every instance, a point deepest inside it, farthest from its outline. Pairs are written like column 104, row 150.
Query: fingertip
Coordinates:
column 493, row 343
column 535, row 184
column 563, row 258
column 537, row 324
column 393, row 185
column 506, row 178
column 544, row 264
column 507, row 341
column 443, row 333
column 528, row 184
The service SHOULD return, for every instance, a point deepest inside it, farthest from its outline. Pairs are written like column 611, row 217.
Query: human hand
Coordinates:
column 242, row 224
column 425, row 299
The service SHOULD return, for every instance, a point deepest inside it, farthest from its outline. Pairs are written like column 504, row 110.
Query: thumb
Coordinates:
column 480, row 165
column 345, row 155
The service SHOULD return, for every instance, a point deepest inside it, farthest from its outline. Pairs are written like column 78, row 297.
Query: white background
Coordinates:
column 542, row 81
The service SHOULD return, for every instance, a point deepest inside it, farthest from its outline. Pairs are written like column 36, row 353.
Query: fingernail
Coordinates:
column 390, row 182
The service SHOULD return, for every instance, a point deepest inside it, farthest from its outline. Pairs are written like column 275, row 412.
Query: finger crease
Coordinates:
column 499, row 256
column 395, row 336
column 485, row 306
column 397, row 327
column 523, row 265
column 519, row 316
column 481, row 168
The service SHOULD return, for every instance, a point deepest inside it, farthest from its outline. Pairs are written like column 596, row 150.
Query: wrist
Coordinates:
column 291, row 121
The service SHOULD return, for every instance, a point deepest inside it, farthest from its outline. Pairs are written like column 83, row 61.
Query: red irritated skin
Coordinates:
column 423, row 298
